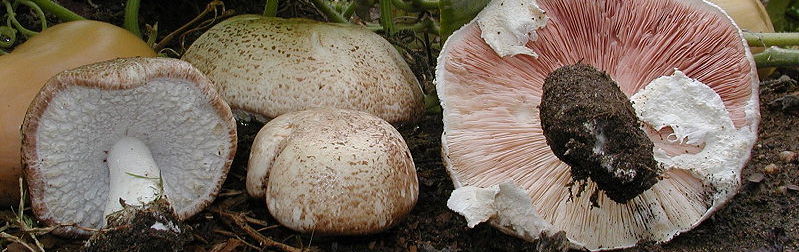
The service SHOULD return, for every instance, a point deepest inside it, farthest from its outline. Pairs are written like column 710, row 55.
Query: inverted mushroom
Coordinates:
column 692, row 88
column 272, row 66
column 333, row 172
column 125, row 131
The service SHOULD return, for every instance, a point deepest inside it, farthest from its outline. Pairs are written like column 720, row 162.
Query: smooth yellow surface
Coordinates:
column 25, row 70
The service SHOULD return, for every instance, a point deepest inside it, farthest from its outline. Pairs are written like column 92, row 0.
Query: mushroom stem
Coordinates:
column 764, row 39
column 133, row 175
column 775, row 57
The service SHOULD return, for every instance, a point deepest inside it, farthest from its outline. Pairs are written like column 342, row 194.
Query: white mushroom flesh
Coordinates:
column 134, row 178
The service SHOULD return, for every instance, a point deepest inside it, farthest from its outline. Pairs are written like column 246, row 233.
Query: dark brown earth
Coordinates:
column 133, row 226
column 764, row 216
column 582, row 108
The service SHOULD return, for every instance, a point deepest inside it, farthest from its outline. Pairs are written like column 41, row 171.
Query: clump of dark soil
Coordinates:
column 591, row 126
column 153, row 227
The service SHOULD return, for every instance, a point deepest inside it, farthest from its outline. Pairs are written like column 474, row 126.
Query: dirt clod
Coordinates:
column 153, row 227
column 591, row 125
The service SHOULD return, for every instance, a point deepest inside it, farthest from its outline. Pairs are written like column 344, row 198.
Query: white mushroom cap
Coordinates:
column 332, row 171
column 492, row 126
column 272, row 66
column 80, row 114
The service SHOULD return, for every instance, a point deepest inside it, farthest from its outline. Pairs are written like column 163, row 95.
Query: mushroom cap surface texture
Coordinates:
column 81, row 113
column 333, row 172
column 272, row 66
column 493, row 135
column 26, row 69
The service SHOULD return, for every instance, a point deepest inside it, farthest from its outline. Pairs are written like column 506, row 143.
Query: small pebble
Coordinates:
column 788, row 156
column 772, row 169
column 756, row 178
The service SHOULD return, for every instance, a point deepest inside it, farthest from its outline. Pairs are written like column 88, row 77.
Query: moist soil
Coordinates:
column 133, row 225
column 591, row 126
column 763, row 217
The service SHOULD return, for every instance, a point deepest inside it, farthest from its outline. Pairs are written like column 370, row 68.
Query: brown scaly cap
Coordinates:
column 272, row 66
column 333, row 172
column 79, row 114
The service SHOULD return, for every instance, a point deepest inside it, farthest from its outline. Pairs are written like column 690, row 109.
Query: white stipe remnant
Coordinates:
column 134, row 176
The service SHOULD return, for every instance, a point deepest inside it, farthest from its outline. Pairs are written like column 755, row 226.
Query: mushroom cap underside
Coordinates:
column 492, row 130
column 79, row 114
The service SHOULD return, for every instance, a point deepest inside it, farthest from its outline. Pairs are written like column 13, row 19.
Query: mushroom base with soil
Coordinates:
column 151, row 227
column 591, row 125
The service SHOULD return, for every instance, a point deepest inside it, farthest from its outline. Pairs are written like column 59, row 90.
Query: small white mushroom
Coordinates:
column 333, row 172
column 271, row 66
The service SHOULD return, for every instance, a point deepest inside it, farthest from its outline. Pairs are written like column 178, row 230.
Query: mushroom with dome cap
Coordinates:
column 333, row 172
column 619, row 121
column 272, row 66
column 125, row 131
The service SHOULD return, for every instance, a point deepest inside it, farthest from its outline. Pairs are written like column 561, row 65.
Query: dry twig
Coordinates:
column 241, row 222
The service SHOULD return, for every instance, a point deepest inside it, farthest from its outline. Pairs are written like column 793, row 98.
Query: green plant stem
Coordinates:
column 12, row 21
column 349, row 10
column 426, row 4
column 331, row 14
column 152, row 35
column 402, row 5
column 59, row 11
column 39, row 12
column 415, row 5
column 7, row 36
column 131, row 22
column 386, row 17
column 426, row 26
column 777, row 57
column 270, row 10
column 772, row 39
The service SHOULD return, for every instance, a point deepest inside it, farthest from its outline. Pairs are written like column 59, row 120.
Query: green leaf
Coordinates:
column 456, row 13
column 784, row 15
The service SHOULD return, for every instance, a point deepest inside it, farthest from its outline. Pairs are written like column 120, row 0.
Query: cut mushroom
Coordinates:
column 693, row 89
column 125, row 131
column 272, row 66
column 333, row 172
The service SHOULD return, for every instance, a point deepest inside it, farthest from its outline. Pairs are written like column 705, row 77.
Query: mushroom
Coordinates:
column 621, row 121
column 271, row 66
column 124, row 133
column 27, row 68
column 333, row 172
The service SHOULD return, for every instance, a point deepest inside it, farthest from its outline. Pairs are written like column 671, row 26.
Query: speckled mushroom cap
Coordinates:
column 333, row 172
column 79, row 114
column 271, row 66
column 492, row 126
